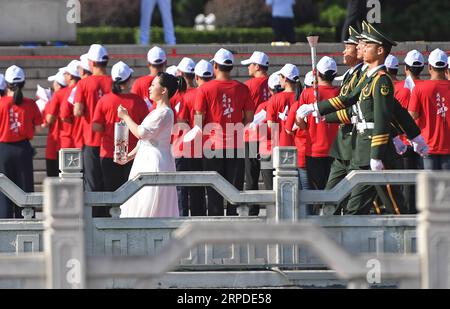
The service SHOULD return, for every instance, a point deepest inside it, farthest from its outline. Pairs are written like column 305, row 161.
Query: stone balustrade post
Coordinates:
column 64, row 245
column 285, row 185
column 433, row 229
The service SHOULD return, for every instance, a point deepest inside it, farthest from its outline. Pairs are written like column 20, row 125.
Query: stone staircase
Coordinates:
column 41, row 62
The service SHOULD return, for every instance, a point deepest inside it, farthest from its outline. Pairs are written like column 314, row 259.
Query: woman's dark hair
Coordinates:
column 392, row 71
column 116, row 85
column 2, row 93
column 17, row 89
column 297, row 84
column 172, row 83
column 189, row 76
column 415, row 70
column 328, row 76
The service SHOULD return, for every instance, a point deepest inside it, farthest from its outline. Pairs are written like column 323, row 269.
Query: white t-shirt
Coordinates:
column 282, row 8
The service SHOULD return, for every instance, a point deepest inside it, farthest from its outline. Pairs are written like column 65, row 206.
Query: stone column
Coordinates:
column 433, row 229
column 285, row 185
column 64, row 247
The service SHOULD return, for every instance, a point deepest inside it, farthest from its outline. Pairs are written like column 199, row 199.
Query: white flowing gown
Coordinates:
column 153, row 155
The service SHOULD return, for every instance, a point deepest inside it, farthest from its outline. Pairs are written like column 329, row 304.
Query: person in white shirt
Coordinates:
column 283, row 20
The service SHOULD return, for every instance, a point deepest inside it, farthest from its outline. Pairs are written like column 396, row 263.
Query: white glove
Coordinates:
column 419, row 145
column 376, row 165
column 400, row 147
column 305, row 110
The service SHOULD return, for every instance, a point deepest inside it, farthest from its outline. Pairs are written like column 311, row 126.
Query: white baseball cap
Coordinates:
column 172, row 70
column 414, row 58
column 290, row 71
column 204, row 69
column 223, row 57
column 84, row 62
column 186, row 65
column 156, row 55
column 258, row 58
column 274, row 80
column 2, row 82
column 14, row 74
column 58, row 77
column 391, row 62
column 326, row 64
column 97, row 53
column 121, row 71
column 438, row 58
column 72, row 68
column 309, row 79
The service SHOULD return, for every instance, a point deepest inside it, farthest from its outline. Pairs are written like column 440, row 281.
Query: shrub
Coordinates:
column 114, row 35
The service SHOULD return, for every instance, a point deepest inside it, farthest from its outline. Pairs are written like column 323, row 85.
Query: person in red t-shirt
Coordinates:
column 279, row 105
column 72, row 127
column 258, row 65
column 105, row 117
column 19, row 118
column 157, row 61
column 264, row 139
column 414, row 64
column 226, row 107
column 320, row 134
column 51, row 121
column 191, row 200
column 429, row 106
column 89, row 91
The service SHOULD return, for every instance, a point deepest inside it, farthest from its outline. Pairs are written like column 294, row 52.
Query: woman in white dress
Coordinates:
column 153, row 153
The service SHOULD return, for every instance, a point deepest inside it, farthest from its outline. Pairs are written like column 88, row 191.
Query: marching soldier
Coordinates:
column 341, row 150
column 372, row 134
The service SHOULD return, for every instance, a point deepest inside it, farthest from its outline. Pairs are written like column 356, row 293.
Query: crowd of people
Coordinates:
column 195, row 117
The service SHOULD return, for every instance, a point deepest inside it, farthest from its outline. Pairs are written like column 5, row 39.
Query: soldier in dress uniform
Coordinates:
column 376, row 111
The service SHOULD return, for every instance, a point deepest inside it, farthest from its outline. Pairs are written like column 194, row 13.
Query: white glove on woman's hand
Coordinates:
column 400, row 147
column 376, row 165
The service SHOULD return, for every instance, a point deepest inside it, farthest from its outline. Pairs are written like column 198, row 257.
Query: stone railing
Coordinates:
column 64, row 263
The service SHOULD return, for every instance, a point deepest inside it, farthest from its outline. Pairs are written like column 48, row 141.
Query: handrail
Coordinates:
column 17, row 195
column 213, row 179
column 223, row 187
column 354, row 178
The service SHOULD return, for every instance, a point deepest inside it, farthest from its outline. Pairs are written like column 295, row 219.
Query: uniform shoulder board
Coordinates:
column 381, row 73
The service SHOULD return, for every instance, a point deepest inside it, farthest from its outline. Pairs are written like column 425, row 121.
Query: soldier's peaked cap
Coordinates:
column 353, row 36
column 372, row 35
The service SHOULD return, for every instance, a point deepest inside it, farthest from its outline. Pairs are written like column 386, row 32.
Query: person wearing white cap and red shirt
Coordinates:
column 191, row 200
column 278, row 108
column 157, row 61
column 19, row 118
column 258, row 65
column 279, row 104
column 51, row 120
column 71, row 134
column 320, row 134
column 192, row 147
column 105, row 116
column 223, row 103
column 429, row 105
column 89, row 91
column 2, row 85
column 264, row 139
